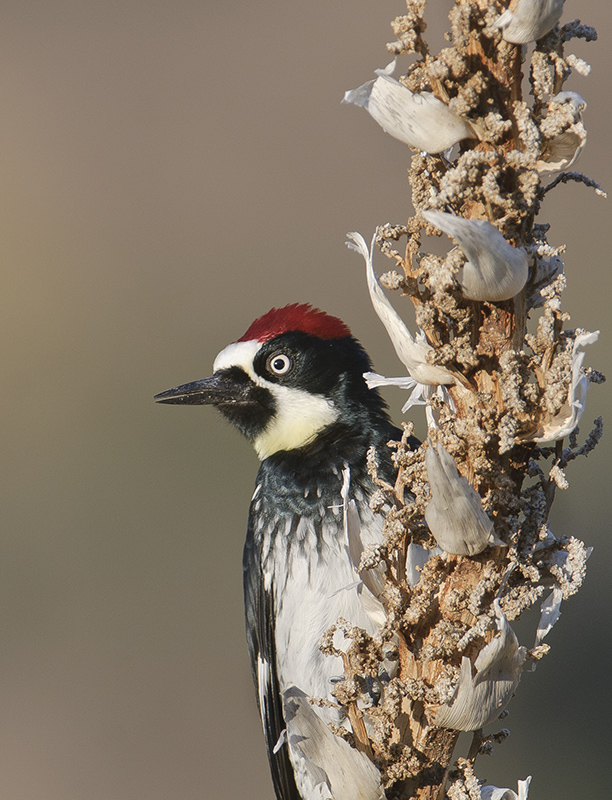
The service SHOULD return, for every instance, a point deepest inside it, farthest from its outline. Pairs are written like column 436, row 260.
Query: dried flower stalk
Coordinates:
column 447, row 659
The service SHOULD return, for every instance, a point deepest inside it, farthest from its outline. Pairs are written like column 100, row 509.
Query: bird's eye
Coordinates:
column 279, row 364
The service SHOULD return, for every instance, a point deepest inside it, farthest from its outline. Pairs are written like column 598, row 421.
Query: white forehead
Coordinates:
column 238, row 354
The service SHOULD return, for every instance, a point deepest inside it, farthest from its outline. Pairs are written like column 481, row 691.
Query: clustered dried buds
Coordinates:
column 467, row 544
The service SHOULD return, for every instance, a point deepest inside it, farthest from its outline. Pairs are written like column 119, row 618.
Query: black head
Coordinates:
column 285, row 386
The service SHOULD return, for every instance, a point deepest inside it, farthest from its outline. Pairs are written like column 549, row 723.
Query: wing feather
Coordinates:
column 259, row 609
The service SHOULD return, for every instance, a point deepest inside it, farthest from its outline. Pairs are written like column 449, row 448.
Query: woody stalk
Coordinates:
column 501, row 375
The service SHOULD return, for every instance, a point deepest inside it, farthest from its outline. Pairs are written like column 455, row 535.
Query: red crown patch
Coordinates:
column 295, row 317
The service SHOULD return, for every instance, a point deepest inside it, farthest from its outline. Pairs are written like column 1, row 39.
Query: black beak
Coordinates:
column 220, row 389
column 237, row 397
column 227, row 388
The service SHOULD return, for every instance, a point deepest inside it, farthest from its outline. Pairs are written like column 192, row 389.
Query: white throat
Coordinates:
column 299, row 417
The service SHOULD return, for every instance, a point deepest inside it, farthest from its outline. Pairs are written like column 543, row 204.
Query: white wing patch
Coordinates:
column 263, row 682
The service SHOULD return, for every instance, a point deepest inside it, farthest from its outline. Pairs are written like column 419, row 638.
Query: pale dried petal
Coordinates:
column 326, row 765
column 416, row 558
column 480, row 698
column 550, row 613
column 528, row 20
column 374, row 380
column 562, row 150
column 419, row 392
column 420, row 395
column 495, row 270
column 357, row 538
column 495, row 793
column 411, row 352
column 564, row 422
column 419, row 120
column 454, row 514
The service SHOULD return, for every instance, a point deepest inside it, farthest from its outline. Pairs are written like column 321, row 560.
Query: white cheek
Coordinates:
column 299, row 417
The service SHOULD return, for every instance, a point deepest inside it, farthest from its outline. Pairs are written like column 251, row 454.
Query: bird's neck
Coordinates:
column 320, row 467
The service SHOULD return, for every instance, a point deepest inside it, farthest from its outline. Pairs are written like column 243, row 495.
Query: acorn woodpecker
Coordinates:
column 294, row 386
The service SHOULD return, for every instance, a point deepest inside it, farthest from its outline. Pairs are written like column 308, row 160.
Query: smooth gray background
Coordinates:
column 170, row 171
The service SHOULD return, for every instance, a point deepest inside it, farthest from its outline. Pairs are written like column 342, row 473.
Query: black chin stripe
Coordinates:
column 256, row 408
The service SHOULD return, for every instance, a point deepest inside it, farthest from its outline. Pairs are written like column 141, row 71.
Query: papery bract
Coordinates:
column 562, row 150
column 332, row 767
column 528, row 20
column 358, row 537
column 567, row 418
column 481, row 697
column 416, row 558
column 454, row 514
column 495, row 270
column 419, row 120
column 411, row 352
column 495, row 793
column 550, row 613
column 420, row 393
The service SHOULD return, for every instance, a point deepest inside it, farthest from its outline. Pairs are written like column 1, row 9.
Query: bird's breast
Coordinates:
column 307, row 565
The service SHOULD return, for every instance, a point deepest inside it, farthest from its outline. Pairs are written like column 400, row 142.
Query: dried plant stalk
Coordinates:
column 495, row 454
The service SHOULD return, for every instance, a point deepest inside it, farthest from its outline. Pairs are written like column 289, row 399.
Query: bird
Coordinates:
column 294, row 385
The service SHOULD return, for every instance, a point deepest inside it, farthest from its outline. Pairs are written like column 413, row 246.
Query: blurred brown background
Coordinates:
column 170, row 171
